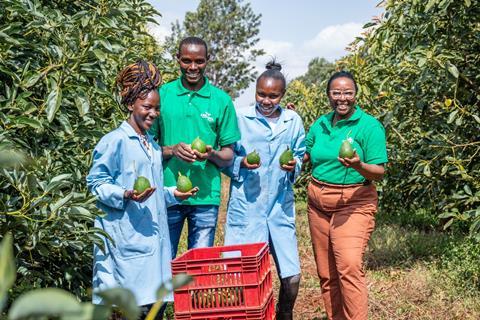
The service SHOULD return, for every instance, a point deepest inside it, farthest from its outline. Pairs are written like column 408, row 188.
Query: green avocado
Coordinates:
column 286, row 157
column 141, row 184
column 253, row 157
column 199, row 145
column 183, row 183
column 346, row 150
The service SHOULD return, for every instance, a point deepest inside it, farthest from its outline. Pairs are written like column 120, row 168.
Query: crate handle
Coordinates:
column 231, row 254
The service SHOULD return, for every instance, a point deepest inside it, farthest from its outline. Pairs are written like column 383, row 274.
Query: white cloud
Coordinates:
column 331, row 41
column 158, row 32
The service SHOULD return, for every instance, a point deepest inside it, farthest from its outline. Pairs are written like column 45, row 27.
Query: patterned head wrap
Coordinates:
column 137, row 80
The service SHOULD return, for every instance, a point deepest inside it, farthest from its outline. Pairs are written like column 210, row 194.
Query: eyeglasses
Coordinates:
column 338, row 94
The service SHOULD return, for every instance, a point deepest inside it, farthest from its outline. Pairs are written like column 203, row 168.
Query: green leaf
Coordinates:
column 65, row 123
column 123, row 299
column 23, row 120
column 93, row 312
column 181, row 280
column 467, row 190
column 54, row 100
column 453, row 70
column 11, row 158
column 49, row 302
column 8, row 272
column 477, row 118
column 452, row 116
column 82, row 102
column 60, row 203
column 468, row 3
column 426, row 170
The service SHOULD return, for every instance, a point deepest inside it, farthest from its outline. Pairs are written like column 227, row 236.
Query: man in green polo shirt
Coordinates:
column 192, row 107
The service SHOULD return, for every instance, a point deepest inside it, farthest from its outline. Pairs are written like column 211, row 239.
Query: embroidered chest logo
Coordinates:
column 207, row 115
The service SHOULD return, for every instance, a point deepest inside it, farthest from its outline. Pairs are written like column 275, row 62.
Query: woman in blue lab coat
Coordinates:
column 139, row 259
column 261, row 206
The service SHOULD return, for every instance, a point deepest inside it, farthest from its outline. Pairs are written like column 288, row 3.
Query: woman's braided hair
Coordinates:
column 137, row 80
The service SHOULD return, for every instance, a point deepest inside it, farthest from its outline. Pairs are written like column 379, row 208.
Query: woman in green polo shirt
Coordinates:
column 342, row 200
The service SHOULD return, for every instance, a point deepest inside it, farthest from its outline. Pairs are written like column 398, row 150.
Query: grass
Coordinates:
column 405, row 277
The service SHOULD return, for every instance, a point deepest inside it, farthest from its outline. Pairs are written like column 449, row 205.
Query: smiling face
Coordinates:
column 144, row 111
column 268, row 94
column 341, row 94
column 193, row 60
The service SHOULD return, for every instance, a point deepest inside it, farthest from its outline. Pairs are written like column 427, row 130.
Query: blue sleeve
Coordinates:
column 298, row 147
column 234, row 170
column 101, row 178
column 170, row 199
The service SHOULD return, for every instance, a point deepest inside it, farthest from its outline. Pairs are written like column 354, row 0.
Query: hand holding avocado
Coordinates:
column 348, row 156
column 142, row 190
column 287, row 162
column 185, row 188
column 251, row 161
column 201, row 150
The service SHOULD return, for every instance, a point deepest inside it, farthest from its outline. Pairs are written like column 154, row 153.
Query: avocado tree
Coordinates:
column 58, row 63
column 418, row 70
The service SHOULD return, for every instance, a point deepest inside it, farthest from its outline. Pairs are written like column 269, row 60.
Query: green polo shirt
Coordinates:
column 324, row 140
column 184, row 115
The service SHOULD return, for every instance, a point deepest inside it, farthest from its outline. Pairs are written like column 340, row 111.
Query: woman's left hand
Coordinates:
column 290, row 166
column 353, row 162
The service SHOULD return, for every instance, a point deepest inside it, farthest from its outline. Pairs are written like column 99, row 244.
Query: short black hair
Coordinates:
column 193, row 40
column 273, row 71
column 341, row 74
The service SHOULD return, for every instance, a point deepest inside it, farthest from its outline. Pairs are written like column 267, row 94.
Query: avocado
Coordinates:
column 286, row 156
column 199, row 145
column 141, row 184
column 346, row 150
column 183, row 183
column 253, row 157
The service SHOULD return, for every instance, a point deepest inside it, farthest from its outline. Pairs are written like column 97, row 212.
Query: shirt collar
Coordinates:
column 204, row 91
column 327, row 120
column 125, row 126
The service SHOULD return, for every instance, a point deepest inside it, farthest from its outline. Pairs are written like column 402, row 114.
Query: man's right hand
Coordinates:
column 183, row 152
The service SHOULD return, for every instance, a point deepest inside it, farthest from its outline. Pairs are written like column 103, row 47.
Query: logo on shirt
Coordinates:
column 207, row 115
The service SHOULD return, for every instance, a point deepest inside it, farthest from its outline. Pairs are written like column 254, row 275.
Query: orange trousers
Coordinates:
column 341, row 220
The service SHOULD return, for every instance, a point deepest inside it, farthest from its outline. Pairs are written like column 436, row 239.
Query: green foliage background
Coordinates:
column 58, row 63
column 418, row 71
column 230, row 28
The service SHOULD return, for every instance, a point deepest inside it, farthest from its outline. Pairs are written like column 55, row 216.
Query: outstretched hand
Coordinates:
column 290, row 166
column 185, row 195
column 139, row 197
column 353, row 162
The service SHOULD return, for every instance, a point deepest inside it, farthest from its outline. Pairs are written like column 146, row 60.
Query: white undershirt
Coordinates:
column 272, row 122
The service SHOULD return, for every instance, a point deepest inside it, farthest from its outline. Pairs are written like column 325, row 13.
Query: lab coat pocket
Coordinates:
column 237, row 212
column 135, row 232
column 288, row 205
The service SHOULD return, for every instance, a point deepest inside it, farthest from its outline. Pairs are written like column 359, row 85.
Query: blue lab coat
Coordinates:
column 139, row 259
column 261, row 206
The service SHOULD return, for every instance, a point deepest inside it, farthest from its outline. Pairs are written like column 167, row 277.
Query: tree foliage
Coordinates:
column 58, row 63
column 418, row 71
column 230, row 29
column 319, row 70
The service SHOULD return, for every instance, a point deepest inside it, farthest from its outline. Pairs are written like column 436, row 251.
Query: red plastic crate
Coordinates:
column 266, row 312
column 230, row 281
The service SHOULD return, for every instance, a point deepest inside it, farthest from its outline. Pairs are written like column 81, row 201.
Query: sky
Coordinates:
column 294, row 32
